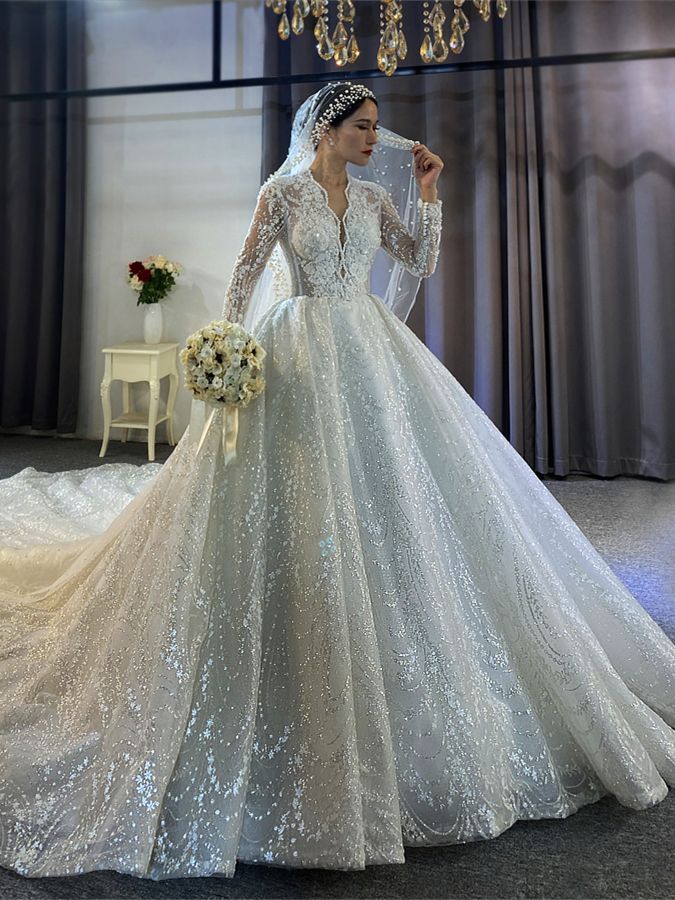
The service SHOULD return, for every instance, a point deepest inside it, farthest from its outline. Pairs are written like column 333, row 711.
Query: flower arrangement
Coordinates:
column 223, row 364
column 153, row 278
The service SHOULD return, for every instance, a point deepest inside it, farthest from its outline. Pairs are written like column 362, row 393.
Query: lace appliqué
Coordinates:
column 328, row 256
column 418, row 254
column 265, row 228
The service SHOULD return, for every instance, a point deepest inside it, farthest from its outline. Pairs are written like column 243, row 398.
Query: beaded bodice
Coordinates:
column 326, row 255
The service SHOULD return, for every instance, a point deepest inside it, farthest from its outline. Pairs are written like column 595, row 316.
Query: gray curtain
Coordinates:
column 553, row 302
column 42, row 174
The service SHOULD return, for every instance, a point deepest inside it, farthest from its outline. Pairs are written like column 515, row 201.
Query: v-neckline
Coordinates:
column 341, row 221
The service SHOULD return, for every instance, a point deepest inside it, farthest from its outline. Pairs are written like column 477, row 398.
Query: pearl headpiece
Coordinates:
column 338, row 105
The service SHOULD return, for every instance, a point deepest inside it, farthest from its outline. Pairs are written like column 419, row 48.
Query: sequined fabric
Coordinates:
column 375, row 628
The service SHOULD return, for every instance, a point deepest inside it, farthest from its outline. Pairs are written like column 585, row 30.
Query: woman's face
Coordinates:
column 356, row 136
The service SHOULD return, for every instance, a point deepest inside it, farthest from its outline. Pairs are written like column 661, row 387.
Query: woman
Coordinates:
column 374, row 628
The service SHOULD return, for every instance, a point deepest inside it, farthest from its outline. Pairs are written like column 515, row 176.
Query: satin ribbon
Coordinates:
column 230, row 423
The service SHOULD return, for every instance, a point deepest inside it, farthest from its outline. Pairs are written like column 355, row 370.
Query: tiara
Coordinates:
column 335, row 107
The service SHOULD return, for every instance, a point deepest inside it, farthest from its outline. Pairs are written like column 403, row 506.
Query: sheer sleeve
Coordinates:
column 418, row 253
column 266, row 226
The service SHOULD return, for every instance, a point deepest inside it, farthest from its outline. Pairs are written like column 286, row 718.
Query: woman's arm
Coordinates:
column 266, row 225
column 418, row 253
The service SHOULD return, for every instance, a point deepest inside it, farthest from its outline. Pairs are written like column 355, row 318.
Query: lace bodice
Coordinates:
column 326, row 255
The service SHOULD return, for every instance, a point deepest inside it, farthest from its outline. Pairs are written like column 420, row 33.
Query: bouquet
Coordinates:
column 153, row 278
column 223, row 367
column 223, row 364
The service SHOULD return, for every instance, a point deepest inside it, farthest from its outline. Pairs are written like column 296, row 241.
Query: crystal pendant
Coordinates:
column 324, row 48
column 284, row 28
column 341, row 56
column 439, row 49
column 426, row 51
column 501, row 8
column 456, row 40
column 297, row 22
column 437, row 19
column 278, row 6
column 459, row 2
column 386, row 61
column 395, row 12
column 317, row 7
column 348, row 11
column 390, row 37
column 340, row 36
column 303, row 6
column 459, row 20
column 268, row 3
column 353, row 49
column 484, row 10
column 320, row 29
column 402, row 49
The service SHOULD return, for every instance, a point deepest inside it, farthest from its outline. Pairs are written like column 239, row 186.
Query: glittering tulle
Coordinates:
column 374, row 628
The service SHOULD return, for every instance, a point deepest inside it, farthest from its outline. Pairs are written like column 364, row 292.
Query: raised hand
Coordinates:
column 427, row 168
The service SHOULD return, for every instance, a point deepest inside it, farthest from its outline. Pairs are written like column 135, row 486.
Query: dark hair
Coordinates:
column 336, row 90
column 346, row 113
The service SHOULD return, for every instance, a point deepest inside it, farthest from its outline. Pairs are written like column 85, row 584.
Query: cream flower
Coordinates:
column 213, row 364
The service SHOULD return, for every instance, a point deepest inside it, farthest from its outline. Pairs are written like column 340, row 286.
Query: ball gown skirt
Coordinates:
column 374, row 628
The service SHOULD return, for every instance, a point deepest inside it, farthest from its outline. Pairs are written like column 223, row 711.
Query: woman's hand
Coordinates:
column 427, row 168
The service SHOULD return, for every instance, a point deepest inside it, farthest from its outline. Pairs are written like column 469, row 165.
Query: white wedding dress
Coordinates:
column 374, row 628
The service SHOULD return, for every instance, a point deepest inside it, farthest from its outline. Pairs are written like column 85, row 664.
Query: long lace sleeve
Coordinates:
column 419, row 252
column 266, row 225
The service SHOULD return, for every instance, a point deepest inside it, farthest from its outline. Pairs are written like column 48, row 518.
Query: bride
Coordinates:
column 373, row 628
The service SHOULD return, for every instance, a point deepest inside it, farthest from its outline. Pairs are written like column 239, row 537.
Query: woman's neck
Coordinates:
column 330, row 173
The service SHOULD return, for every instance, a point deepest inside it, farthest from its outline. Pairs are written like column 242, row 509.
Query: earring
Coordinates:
column 331, row 141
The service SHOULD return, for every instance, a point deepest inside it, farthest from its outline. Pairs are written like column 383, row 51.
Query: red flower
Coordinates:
column 144, row 274
column 136, row 268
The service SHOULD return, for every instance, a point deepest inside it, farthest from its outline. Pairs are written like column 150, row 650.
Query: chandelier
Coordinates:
column 341, row 44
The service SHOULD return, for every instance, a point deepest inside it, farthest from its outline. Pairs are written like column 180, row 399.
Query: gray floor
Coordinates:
column 603, row 851
column 50, row 454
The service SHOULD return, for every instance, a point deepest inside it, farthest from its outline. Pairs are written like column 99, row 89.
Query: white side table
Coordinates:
column 136, row 361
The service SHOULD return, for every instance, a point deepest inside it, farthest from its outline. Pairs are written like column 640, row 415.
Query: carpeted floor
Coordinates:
column 603, row 851
column 50, row 454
